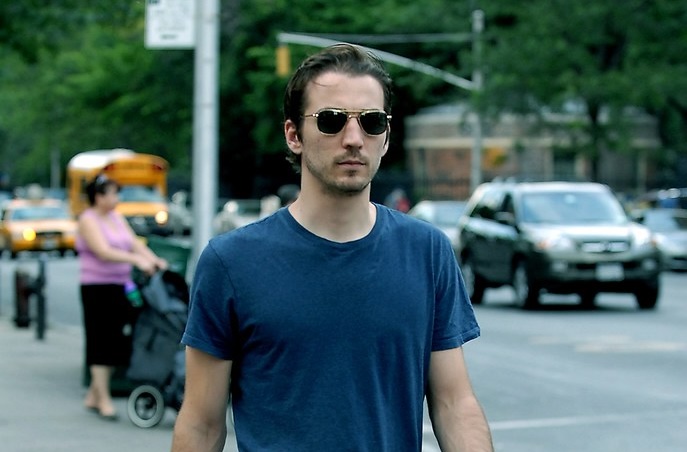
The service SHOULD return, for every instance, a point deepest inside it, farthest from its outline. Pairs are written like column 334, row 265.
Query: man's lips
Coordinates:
column 351, row 163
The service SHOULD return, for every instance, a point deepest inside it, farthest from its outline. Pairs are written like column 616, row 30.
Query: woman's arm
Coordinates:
column 89, row 229
column 144, row 251
column 457, row 417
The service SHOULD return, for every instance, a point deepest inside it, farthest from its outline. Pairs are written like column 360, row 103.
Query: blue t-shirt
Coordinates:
column 330, row 342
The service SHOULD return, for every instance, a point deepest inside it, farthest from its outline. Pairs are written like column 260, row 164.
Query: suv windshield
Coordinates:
column 571, row 208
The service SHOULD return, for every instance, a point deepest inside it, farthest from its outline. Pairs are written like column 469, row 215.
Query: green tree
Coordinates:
column 94, row 87
column 604, row 55
column 76, row 76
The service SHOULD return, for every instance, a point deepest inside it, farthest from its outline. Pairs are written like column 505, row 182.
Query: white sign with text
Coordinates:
column 170, row 24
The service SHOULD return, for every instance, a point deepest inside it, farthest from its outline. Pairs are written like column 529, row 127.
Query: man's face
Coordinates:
column 343, row 163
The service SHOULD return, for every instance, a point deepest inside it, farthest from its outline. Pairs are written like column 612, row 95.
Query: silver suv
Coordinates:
column 558, row 237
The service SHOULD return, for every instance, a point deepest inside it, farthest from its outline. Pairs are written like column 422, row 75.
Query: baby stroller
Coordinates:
column 157, row 366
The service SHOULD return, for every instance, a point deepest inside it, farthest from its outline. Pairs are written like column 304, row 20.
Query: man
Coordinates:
column 333, row 318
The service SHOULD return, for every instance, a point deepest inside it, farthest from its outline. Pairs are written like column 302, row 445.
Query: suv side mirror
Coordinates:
column 637, row 217
column 505, row 218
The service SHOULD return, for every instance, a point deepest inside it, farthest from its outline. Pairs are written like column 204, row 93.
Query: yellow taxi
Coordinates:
column 36, row 225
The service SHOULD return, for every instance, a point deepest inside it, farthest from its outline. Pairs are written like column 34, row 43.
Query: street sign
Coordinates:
column 170, row 24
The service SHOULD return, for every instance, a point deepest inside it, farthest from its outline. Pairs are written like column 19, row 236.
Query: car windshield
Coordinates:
column 559, row 207
column 140, row 193
column 40, row 213
column 665, row 220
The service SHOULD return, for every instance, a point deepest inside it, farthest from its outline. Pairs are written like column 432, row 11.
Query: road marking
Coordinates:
column 611, row 344
column 582, row 420
column 631, row 347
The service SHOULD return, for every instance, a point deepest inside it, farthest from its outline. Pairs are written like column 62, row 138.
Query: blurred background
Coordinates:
column 571, row 90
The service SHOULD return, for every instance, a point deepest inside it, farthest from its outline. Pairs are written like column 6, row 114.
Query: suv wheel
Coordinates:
column 647, row 295
column 526, row 293
column 474, row 284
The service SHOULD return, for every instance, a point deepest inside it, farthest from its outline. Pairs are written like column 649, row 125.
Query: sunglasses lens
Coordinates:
column 331, row 121
column 374, row 122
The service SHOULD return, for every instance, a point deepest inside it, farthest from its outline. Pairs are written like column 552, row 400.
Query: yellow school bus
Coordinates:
column 143, row 186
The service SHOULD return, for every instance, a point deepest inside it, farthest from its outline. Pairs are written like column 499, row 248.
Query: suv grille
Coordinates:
column 605, row 246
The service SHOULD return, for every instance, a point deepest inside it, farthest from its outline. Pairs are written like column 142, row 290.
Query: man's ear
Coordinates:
column 386, row 141
column 293, row 139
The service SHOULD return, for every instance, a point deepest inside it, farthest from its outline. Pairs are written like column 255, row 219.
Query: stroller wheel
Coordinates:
column 146, row 406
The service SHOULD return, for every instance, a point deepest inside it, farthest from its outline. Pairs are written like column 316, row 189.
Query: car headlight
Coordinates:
column 555, row 243
column 28, row 234
column 161, row 217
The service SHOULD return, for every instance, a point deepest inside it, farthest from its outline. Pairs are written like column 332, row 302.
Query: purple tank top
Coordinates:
column 94, row 270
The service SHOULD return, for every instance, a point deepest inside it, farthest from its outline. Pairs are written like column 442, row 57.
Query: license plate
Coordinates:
column 49, row 244
column 609, row 272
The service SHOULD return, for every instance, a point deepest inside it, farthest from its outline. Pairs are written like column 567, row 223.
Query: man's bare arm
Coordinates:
column 201, row 423
column 457, row 417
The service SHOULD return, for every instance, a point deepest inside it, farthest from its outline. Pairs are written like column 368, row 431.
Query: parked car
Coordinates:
column 559, row 237
column 236, row 213
column 670, row 231
column 671, row 198
column 37, row 225
column 444, row 214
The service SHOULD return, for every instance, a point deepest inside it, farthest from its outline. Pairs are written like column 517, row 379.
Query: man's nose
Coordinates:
column 353, row 132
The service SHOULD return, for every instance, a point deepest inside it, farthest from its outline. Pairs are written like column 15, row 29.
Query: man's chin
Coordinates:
column 352, row 188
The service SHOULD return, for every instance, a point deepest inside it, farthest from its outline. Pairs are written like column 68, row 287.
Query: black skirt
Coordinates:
column 108, row 318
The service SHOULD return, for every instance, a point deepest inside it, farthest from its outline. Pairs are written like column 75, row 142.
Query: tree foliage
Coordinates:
column 76, row 76
column 603, row 55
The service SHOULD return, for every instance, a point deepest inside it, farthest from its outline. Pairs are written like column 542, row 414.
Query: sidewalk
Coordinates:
column 41, row 396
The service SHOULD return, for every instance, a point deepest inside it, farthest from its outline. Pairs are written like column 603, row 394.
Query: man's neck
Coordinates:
column 342, row 219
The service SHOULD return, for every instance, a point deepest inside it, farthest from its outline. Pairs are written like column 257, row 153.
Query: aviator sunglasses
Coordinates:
column 331, row 121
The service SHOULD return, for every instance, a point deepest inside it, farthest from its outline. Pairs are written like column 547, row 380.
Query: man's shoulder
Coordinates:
column 259, row 231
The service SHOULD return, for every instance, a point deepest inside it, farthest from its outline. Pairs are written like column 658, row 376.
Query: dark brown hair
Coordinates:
column 99, row 185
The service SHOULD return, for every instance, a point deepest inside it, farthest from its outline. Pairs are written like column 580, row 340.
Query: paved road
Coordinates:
column 563, row 379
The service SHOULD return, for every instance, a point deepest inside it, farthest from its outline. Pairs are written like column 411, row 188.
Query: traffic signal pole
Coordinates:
column 476, row 155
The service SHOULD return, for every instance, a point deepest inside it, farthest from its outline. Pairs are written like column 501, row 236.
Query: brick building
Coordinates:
column 439, row 144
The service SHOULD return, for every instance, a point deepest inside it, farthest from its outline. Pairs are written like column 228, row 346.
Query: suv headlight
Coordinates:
column 644, row 239
column 555, row 243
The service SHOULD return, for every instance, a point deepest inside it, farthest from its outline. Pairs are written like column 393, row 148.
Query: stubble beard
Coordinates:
column 349, row 185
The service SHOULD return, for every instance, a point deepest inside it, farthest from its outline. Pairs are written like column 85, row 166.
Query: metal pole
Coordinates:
column 205, row 124
column 476, row 156
column 38, row 290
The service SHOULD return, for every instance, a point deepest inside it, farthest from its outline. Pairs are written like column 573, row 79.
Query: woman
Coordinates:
column 108, row 250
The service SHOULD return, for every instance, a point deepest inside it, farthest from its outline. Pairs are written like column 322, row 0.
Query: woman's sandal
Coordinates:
column 108, row 417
